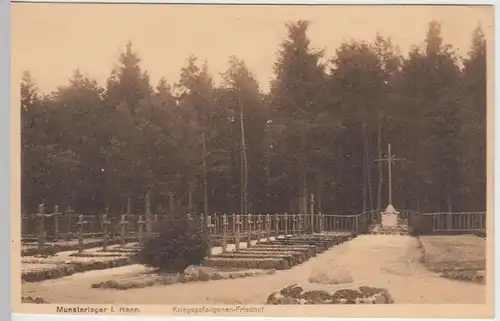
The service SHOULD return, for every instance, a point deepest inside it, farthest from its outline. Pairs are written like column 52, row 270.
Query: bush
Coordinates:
column 175, row 244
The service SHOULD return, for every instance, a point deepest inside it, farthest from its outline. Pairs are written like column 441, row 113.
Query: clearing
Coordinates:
column 387, row 261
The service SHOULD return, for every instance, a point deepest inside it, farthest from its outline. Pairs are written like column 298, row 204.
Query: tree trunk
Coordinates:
column 205, row 176
column 369, row 178
column 380, row 172
column 129, row 204
column 244, row 176
column 319, row 193
column 171, row 203
column 364, row 167
column 302, row 175
column 190, row 198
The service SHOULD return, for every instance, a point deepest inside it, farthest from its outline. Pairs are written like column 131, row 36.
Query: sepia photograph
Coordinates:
column 231, row 159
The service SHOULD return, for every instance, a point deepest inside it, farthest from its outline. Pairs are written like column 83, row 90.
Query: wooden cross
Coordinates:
column 237, row 232
column 123, row 228
column 268, row 227
column 41, row 226
column 69, row 220
column 224, row 233
column 104, row 223
column 300, row 222
column 277, row 224
column 249, row 223
column 286, row 224
column 140, row 227
column 390, row 159
column 81, row 224
column 259, row 228
column 202, row 222
column 210, row 225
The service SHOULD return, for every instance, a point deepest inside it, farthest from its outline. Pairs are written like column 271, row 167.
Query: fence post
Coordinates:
column 202, row 223
column 286, row 225
column 299, row 219
column 41, row 226
column 81, row 223
column 140, row 227
column 356, row 222
column 276, row 225
column 294, row 224
column 268, row 227
column 234, row 223
column 148, row 214
column 123, row 231
column 69, row 220
column 249, row 228
column 210, row 224
column 209, row 227
column 259, row 228
column 320, row 222
column 224, row 233
column 311, row 210
column 104, row 224
column 237, row 233
column 56, row 222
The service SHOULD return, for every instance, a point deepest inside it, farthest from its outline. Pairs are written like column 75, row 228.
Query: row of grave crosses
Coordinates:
column 41, row 216
column 145, row 223
column 238, row 220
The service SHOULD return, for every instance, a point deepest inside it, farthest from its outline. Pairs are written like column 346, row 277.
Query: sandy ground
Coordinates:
column 389, row 261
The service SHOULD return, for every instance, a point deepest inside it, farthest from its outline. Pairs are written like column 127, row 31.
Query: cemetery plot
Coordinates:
column 280, row 254
column 38, row 268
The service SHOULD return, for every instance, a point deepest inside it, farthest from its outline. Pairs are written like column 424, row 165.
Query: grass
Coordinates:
column 455, row 256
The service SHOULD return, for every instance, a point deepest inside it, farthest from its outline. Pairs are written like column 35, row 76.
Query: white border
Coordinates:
column 5, row 142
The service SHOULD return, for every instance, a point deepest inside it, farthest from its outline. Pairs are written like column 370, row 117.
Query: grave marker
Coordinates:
column 259, row 228
column 249, row 232
column 81, row 224
column 286, row 225
column 140, row 228
column 224, row 233
column 56, row 222
column 268, row 227
column 237, row 232
column 69, row 220
column 123, row 229
column 41, row 226
column 104, row 224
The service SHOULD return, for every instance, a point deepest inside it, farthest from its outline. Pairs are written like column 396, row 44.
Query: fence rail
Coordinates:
column 43, row 228
column 445, row 222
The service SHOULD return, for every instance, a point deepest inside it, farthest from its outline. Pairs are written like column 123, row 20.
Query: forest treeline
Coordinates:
column 192, row 145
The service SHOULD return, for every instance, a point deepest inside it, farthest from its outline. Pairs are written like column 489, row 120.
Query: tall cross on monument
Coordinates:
column 390, row 159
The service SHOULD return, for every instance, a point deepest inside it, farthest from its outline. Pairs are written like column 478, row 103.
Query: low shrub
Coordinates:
column 177, row 243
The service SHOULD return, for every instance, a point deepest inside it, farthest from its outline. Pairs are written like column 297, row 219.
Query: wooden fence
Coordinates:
column 43, row 228
column 443, row 222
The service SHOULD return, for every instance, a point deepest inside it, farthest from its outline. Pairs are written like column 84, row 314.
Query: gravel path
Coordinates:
column 389, row 261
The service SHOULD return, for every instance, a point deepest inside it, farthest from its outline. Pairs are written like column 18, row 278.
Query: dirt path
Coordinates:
column 388, row 261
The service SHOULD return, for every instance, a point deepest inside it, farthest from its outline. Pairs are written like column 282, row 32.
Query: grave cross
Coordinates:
column 224, row 232
column 390, row 159
column 237, row 232
column 105, row 223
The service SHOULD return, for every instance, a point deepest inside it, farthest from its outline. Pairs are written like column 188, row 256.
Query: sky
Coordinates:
column 53, row 40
